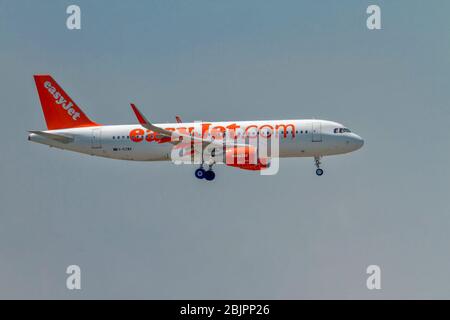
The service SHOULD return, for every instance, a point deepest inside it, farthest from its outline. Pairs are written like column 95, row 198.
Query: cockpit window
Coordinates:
column 341, row 130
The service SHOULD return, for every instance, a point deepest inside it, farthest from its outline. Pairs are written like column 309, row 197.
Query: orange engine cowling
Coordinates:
column 245, row 157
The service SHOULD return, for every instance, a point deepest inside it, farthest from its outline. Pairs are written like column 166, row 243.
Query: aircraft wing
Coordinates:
column 167, row 133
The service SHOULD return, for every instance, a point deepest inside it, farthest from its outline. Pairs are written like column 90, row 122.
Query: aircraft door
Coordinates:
column 96, row 140
column 316, row 131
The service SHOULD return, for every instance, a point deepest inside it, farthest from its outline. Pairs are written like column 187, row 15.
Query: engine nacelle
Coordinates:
column 245, row 157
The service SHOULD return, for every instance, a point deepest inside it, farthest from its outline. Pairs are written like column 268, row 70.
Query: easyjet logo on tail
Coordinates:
column 60, row 100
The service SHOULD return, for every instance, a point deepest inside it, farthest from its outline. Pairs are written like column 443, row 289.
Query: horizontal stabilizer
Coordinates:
column 52, row 136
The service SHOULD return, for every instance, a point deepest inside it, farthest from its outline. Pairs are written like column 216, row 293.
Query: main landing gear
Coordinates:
column 319, row 171
column 201, row 173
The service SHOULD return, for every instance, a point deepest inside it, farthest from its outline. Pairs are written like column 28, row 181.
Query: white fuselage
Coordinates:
column 297, row 138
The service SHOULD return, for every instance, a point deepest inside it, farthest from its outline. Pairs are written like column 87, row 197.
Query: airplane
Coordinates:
column 69, row 128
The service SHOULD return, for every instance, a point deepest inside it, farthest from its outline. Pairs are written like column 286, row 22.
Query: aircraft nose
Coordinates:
column 358, row 142
column 354, row 142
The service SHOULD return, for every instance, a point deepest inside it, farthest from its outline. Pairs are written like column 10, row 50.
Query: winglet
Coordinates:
column 141, row 118
column 146, row 124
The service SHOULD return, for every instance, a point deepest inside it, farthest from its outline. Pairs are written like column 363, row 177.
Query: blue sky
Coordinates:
column 151, row 230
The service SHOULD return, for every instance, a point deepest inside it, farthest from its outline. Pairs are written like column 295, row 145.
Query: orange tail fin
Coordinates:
column 60, row 111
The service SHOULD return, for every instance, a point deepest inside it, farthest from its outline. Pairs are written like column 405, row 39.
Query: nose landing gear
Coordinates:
column 319, row 171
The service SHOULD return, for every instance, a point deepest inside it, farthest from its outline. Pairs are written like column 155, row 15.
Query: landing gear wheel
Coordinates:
column 200, row 173
column 210, row 175
column 317, row 162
